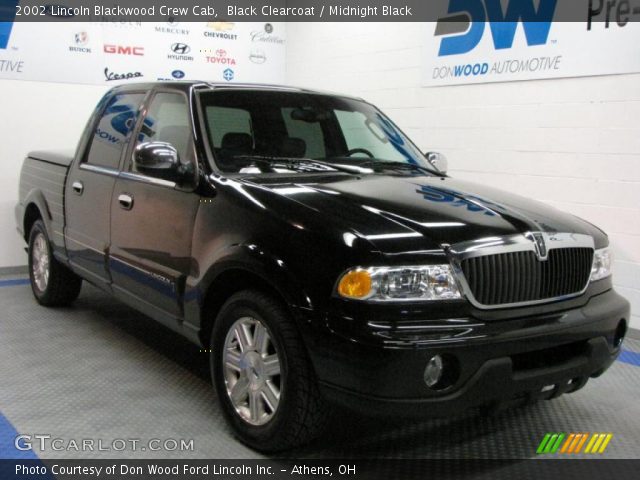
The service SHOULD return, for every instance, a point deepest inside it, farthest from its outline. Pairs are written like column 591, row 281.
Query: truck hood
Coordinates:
column 418, row 213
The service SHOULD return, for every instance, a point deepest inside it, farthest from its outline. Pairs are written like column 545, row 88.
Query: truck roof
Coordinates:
column 185, row 85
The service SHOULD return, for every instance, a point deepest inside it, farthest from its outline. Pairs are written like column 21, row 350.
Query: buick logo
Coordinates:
column 81, row 38
column 180, row 48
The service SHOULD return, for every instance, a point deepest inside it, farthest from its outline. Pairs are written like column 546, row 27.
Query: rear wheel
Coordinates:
column 263, row 377
column 52, row 283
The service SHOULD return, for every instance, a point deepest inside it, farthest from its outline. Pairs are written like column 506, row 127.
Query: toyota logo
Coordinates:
column 180, row 48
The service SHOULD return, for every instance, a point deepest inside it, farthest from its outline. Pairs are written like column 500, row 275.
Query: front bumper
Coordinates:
column 497, row 362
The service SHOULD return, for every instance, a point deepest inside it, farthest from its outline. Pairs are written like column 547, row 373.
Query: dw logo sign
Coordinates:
column 465, row 24
column 7, row 16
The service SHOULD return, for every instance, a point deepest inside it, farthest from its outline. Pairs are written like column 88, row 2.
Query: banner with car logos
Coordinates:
column 112, row 53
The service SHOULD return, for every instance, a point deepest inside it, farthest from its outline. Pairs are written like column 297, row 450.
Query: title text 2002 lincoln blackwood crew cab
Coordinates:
column 307, row 243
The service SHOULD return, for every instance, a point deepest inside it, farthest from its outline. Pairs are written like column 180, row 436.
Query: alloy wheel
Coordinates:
column 40, row 262
column 251, row 368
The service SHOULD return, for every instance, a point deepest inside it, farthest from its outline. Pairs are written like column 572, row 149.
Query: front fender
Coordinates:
column 244, row 259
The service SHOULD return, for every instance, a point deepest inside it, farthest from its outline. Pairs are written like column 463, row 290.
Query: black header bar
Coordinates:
column 461, row 12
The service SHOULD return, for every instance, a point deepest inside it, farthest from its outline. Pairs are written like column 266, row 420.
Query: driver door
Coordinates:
column 152, row 219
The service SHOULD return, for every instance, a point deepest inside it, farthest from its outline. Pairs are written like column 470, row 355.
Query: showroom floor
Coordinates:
column 100, row 370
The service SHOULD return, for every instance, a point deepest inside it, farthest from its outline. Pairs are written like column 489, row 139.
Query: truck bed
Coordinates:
column 42, row 181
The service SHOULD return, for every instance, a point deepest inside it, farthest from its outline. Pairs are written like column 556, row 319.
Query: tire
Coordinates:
column 300, row 412
column 52, row 283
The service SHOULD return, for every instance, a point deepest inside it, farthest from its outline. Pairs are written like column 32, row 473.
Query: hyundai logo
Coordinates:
column 180, row 48
column 178, row 74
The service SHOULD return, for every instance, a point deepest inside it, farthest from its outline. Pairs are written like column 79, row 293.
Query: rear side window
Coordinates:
column 111, row 134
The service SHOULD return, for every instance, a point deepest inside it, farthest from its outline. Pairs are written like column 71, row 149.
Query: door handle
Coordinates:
column 126, row 201
column 78, row 187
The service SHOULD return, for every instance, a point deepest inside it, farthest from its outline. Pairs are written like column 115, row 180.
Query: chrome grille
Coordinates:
column 519, row 277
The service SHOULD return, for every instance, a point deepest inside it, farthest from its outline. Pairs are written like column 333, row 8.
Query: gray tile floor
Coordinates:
column 100, row 370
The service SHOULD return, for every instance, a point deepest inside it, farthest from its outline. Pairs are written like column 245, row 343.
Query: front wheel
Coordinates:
column 264, row 380
column 52, row 283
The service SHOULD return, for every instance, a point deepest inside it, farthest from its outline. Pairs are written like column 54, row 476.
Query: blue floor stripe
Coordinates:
column 14, row 282
column 632, row 358
column 8, row 449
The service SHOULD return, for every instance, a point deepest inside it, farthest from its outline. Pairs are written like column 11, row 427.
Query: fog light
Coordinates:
column 433, row 372
column 621, row 330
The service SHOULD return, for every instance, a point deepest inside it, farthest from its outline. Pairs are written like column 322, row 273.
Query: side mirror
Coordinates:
column 157, row 159
column 438, row 160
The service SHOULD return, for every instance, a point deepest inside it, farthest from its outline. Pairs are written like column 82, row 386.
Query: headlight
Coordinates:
column 601, row 264
column 429, row 282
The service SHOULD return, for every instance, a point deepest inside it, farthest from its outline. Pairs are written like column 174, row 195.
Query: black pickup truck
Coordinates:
column 319, row 256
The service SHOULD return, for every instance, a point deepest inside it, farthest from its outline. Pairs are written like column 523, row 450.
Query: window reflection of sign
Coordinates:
column 146, row 132
column 472, row 204
column 116, row 123
column 396, row 139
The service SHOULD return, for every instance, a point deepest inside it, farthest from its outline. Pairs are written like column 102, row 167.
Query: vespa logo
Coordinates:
column 539, row 244
column 466, row 21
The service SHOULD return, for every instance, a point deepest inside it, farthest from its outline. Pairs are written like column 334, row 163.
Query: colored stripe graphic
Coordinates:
column 14, row 282
column 630, row 357
column 574, row 443
column 550, row 443
column 8, row 450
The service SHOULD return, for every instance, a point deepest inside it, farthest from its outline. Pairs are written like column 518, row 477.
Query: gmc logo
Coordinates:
column 465, row 24
column 120, row 50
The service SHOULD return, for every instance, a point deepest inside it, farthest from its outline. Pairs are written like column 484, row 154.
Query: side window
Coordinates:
column 167, row 120
column 113, row 129
column 309, row 132
column 224, row 120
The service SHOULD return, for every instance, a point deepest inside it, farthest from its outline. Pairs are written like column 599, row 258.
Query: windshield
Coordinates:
column 248, row 128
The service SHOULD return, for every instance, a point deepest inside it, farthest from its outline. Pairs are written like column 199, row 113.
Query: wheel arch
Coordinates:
column 246, row 272
column 36, row 208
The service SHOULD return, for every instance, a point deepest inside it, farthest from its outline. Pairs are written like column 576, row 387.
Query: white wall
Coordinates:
column 35, row 115
column 573, row 143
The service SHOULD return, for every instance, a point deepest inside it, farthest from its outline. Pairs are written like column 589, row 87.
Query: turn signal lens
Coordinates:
column 399, row 284
column 355, row 284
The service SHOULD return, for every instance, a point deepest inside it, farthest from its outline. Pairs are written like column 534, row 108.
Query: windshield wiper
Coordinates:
column 312, row 165
column 399, row 166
